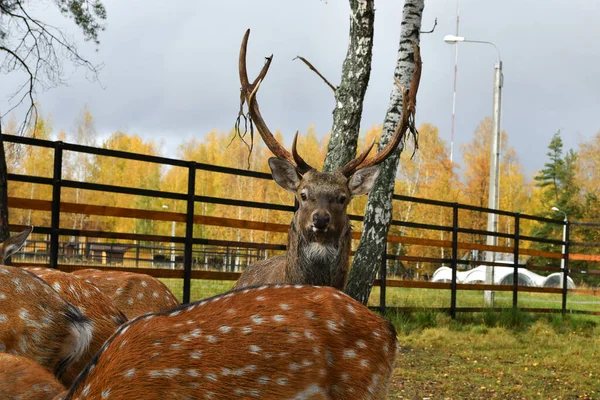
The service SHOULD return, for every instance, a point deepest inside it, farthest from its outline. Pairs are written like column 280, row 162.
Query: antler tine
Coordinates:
column 248, row 95
column 352, row 166
column 301, row 165
column 408, row 112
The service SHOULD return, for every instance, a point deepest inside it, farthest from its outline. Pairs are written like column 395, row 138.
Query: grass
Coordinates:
column 424, row 298
column 497, row 355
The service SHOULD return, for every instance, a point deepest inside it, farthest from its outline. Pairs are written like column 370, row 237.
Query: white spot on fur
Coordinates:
column 254, row 349
column 247, row 330
column 196, row 354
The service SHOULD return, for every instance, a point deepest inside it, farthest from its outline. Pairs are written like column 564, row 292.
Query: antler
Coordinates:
column 407, row 121
column 248, row 96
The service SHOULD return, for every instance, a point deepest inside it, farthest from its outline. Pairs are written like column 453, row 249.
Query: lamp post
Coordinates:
column 494, row 185
column 564, row 239
column 166, row 207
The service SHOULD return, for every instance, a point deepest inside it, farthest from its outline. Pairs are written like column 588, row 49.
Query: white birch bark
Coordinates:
column 350, row 94
column 379, row 206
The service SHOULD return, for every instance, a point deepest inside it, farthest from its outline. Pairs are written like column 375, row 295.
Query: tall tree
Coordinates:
column 350, row 94
column 379, row 206
column 557, row 187
column 37, row 49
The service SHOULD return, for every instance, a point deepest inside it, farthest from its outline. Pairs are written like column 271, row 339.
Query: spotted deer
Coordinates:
column 22, row 378
column 134, row 294
column 266, row 342
column 319, row 237
column 103, row 314
column 36, row 322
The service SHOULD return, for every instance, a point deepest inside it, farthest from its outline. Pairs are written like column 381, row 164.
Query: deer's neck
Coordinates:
column 317, row 262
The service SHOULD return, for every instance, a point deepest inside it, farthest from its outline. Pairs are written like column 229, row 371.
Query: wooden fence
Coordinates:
column 57, row 207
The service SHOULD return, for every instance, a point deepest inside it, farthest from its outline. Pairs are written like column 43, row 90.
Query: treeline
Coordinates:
column 569, row 180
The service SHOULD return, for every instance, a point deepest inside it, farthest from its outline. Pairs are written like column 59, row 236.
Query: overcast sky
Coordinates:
column 170, row 68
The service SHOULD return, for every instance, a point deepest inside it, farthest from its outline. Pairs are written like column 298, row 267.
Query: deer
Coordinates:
column 269, row 342
column 104, row 315
column 134, row 294
column 22, row 378
column 319, row 237
column 36, row 322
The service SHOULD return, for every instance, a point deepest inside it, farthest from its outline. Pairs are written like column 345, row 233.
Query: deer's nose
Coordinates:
column 320, row 221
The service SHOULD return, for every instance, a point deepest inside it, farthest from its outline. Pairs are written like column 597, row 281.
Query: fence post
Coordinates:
column 189, row 233
column 516, row 262
column 565, row 272
column 55, row 219
column 382, row 279
column 454, row 260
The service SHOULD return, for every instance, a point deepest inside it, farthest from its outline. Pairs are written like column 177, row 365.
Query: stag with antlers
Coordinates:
column 319, row 236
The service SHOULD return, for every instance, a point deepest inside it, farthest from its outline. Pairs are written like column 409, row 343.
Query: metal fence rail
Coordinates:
column 189, row 218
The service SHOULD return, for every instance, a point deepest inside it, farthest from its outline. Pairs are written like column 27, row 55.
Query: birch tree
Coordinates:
column 378, row 214
column 349, row 95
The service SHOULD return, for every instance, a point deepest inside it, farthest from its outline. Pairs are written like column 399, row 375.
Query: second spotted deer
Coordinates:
column 267, row 342
column 134, row 294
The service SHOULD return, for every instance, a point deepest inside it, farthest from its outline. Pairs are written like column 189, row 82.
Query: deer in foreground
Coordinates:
column 22, row 378
column 134, row 294
column 103, row 314
column 267, row 342
column 319, row 236
column 36, row 322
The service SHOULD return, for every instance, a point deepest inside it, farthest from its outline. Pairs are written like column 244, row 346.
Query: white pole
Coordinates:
column 494, row 189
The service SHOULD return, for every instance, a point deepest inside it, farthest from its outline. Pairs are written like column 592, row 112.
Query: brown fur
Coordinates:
column 270, row 342
column 133, row 294
column 23, row 379
column 318, row 194
column 94, row 304
column 36, row 322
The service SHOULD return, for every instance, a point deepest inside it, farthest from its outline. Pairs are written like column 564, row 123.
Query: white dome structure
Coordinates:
column 502, row 276
column 553, row 280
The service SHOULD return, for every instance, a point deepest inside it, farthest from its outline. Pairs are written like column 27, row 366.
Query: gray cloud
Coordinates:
column 171, row 68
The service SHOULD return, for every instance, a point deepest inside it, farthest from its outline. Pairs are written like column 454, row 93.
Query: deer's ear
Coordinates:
column 285, row 174
column 363, row 180
column 13, row 244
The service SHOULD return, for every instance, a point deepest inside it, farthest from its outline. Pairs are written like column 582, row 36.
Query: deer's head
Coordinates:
column 323, row 197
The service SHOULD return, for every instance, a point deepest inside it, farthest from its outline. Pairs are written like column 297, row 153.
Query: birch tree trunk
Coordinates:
column 350, row 94
column 4, row 231
column 379, row 206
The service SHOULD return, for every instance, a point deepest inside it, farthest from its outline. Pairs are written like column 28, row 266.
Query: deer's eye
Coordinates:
column 342, row 199
column 303, row 196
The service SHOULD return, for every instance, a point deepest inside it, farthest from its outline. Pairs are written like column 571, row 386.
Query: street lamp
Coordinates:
column 564, row 239
column 166, row 207
column 494, row 189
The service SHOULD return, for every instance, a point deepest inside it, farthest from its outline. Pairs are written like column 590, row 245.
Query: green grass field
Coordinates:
column 482, row 355
column 496, row 355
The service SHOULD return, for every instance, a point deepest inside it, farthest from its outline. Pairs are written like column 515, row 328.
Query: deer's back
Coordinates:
column 269, row 271
column 134, row 294
column 270, row 342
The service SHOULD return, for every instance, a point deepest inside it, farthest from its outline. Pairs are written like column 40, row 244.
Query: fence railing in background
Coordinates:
column 187, row 274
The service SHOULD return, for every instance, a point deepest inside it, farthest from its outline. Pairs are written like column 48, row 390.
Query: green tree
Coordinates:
column 556, row 186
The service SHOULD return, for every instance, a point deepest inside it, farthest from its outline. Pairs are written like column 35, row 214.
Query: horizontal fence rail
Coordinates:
column 186, row 260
